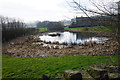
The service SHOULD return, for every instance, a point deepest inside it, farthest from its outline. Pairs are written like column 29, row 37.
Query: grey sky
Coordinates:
column 32, row 10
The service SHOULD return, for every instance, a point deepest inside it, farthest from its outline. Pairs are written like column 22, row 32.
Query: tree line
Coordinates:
column 12, row 28
column 51, row 26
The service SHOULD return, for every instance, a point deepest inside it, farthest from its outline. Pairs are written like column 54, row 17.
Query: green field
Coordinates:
column 42, row 29
column 14, row 67
column 101, row 28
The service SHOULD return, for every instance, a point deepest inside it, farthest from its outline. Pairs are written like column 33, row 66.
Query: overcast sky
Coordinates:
column 32, row 10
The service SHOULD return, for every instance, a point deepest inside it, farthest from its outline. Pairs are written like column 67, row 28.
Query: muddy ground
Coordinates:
column 27, row 47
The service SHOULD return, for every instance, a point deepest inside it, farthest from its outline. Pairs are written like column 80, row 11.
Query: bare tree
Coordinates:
column 99, row 7
column 109, row 8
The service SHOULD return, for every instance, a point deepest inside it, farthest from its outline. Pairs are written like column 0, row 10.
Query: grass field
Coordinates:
column 42, row 29
column 14, row 67
column 101, row 28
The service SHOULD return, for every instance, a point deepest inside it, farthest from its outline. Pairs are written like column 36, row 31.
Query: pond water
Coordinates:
column 72, row 37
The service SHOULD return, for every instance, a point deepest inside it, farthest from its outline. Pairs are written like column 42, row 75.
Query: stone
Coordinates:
column 74, row 43
column 64, row 43
column 114, row 76
column 113, row 68
column 113, row 72
column 44, row 77
column 80, row 44
column 56, row 42
column 54, row 34
column 98, row 73
column 85, row 43
column 56, row 47
column 72, row 75
column 41, row 43
column 86, row 75
column 41, row 40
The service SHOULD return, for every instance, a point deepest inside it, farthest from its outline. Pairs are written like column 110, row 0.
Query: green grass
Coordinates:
column 14, row 67
column 101, row 28
column 42, row 29
column 74, row 28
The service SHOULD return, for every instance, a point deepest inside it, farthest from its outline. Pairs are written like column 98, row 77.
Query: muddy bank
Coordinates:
column 27, row 47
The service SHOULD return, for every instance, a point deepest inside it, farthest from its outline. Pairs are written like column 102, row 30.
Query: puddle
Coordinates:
column 70, row 37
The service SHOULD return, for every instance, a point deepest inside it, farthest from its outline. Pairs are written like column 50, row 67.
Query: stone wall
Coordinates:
column 111, row 72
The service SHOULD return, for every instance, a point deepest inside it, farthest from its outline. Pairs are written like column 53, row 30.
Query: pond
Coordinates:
column 72, row 37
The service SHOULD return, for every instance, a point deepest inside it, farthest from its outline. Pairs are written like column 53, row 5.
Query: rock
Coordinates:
column 49, row 42
column 52, row 47
column 47, row 47
column 41, row 43
column 57, row 42
column 74, row 43
column 64, row 43
column 98, row 73
column 85, row 43
column 72, row 75
column 56, row 47
column 80, row 44
column 44, row 41
column 53, row 35
column 113, row 68
column 44, row 77
column 113, row 72
column 41, row 40
column 114, row 76
column 86, row 75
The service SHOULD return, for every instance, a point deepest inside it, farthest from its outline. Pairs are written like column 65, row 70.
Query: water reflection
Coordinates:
column 72, row 37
